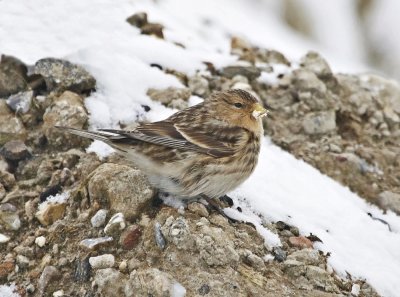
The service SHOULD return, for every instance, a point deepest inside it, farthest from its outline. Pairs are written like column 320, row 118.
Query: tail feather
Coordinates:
column 106, row 137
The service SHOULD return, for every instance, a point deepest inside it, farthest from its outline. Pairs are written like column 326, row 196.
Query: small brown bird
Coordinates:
column 205, row 150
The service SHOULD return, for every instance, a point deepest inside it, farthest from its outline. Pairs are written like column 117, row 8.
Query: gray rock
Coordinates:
column 22, row 261
column 320, row 278
column 15, row 150
column 314, row 62
column 177, row 232
column 48, row 280
column 20, row 102
column 102, row 261
column 9, row 217
column 251, row 72
column 7, row 179
column 306, row 256
column 389, row 201
column 138, row 19
column 111, row 282
column 11, row 127
column 115, row 225
column 99, row 219
column 170, row 95
column 159, row 237
column 120, row 187
column 280, row 255
column 66, row 110
column 63, row 75
column 319, row 122
column 198, row 85
column 2, row 191
column 153, row 282
column 12, row 76
column 95, row 243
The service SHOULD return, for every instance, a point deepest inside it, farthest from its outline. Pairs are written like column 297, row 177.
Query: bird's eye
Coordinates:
column 238, row 105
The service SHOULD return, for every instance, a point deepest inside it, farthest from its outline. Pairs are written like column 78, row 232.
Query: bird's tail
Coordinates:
column 106, row 137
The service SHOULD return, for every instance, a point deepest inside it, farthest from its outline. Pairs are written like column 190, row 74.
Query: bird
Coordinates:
column 205, row 150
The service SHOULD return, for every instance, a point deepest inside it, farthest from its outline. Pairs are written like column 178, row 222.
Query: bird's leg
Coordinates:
column 216, row 207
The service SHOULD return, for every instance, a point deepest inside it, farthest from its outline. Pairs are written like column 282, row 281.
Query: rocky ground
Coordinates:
column 74, row 225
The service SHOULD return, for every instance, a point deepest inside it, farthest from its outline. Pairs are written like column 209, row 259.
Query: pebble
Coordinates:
column 20, row 102
column 9, row 217
column 355, row 289
column 115, row 225
column 58, row 293
column 300, row 241
column 319, row 122
column 389, row 201
column 94, row 243
column 22, row 261
column 159, row 237
column 250, row 72
column 50, row 212
column 4, row 238
column 48, row 277
column 82, row 270
column 15, row 150
column 40, row 241
column 280, row 254
column 130, row 237
column 102, row 261
column 198, row 208
column 99, row 219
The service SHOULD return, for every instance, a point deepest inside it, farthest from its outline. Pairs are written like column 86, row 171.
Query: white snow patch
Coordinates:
column 100, row 148
column 9, row 291
column 56, row 199
column 178, row 290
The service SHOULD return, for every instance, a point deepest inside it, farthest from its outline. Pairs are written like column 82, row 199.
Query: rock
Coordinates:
column 9, row 217
column 115, row 225
column 319, row 122
column 280, row 254
column 20, row 102
column 314, row 62
column 63, row 75
column 130, row 237
column 177, row 232
column 159, row 237
column 4, row 238
column 67, row 110
column 58, row 293
column 120, row 188
column 111, row 282
column 300, row 242
column 272, row 57
column 12, row 76
column 2, row 191
column 7, row 179
column 251, row 72
column 95, row 243
column 6, row 267
column 153, row 282
column 307, row 256
column 40, row 241
column 167, row 96
column 48, row 279
column 253, row 260
column 22, row 261
column 99, row 219
column 82, row 270
column 102, row 261
column 198, row 85
column 50, row 212
column 321, row 279
column 389, row 201
column 11, row 127
column 138, row 19
column 153, row 29
column 198, row 208
column 15, row 150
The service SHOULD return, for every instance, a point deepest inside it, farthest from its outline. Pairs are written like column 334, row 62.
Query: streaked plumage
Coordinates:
column 207, row 149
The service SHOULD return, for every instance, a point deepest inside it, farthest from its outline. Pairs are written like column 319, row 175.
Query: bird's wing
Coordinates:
column 173, row 135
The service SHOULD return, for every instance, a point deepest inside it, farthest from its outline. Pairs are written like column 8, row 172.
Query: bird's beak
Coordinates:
column 259, row 111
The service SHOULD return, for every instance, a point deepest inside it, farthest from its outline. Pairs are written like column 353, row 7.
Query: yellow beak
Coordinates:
column 259, row 111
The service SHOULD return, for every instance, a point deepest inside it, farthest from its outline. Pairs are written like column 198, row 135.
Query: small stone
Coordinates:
column 4, row 238
column 321, row 279
column 300, row 242
column 123, row 266
column 198, row 208
column 159, row 237
column 6, row 267
column 20, row 102
column 118, row 186
column 82, row 270
column 204, row 290
column 307, row 256
column 198, row 85
column 11, row 127
column 94, row 243
column 99, row 219
column 280, row 254
column 251, row 72
column 12, row 76
column 315, row 63
column 48, row 279
column 48, row 213
column 138, row 19
column 2, row 191
column 22, row 261
column 133, row 264
column 355, row 289
column 63, row 75
column 319, row 122
column 58, row 293
column 389, row 201
column 102, row 261
column 40, row 241
column 166, row 96
column 9, row 217
column 30, row 288
column 7, row 179
column 115, row 225
column 111, row 282
column 15, row 150
column 130, row 237
column 153, row 29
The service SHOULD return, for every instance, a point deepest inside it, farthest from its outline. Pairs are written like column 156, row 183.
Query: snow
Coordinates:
column 282, row 187
column 178, row 290
column 56, row 199
column 8, row 291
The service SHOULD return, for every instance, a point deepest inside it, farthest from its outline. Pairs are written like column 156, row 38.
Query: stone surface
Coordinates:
column 120, row 188
column 300, row 241
column 15, row 150
column 198, row 85
column 102, row 261
column 95, row 243
column 99, row 219
column 63, row 75
column 130, row 237
column 40, row 241
column 110, row 282
column 115, row 225
column 67, row 110
column 12, row 76
column 9, row 217
column 389, row 201
column 169, row 96
column 20, row 102
column 48, row 280
column 250, row 72
column 11, row 127
column 50, row 212
column 319, row 122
